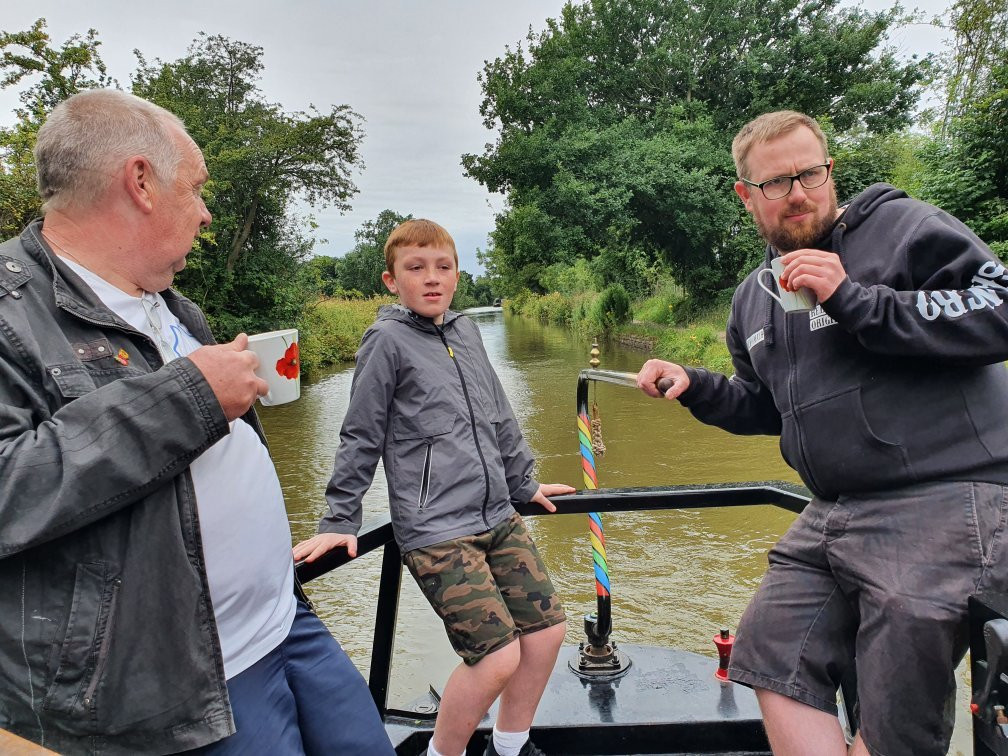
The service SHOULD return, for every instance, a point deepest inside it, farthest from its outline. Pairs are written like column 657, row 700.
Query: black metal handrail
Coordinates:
column 378, row 534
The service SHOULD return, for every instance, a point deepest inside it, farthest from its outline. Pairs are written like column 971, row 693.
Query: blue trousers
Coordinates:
column 304, row 697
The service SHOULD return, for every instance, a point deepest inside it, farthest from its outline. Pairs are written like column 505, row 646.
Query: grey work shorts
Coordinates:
column 881, row 578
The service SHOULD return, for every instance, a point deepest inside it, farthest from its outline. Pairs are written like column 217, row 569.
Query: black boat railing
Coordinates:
column 377, row 534
column 988, row 613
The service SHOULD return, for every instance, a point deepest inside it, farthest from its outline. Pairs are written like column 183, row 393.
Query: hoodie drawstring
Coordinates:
column 768, row 307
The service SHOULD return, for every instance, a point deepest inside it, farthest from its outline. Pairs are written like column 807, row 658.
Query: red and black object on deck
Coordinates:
column 724, row 641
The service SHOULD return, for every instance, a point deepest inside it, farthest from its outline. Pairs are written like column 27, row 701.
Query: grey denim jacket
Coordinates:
column 107, row 636
column 426, row 400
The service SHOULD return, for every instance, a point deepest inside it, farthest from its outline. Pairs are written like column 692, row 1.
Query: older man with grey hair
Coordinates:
column 147, row 594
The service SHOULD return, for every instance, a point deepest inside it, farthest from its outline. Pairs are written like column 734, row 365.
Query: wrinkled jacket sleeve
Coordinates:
column 362, row 437
column 101, row 452
column 956, row 312
column 741, row 404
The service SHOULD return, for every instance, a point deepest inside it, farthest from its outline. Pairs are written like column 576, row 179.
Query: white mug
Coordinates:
column 279, row 364
column 800, row 300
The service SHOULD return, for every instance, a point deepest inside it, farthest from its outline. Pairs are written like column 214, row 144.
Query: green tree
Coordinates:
column 361, row 268
column 614, row 126
column 966, row 164
column 863, row 158
column 482, row 292
column 54, row 73
column 472, row 292
column 968, row 171
column 465, row 294
column 979, row 30
column 318, row 274
column 74, row 66
column 19, row 198
column 577, row 278
column 261, row 159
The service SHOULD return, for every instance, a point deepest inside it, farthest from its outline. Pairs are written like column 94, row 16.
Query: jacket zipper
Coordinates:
column 472, row 423
column 425, row 477
column 103, row 650
column 792, row 379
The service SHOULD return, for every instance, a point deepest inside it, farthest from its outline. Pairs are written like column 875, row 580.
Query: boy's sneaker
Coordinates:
column 529, row 749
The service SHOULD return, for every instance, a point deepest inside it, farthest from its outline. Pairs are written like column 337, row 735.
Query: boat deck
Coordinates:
column 668, row 702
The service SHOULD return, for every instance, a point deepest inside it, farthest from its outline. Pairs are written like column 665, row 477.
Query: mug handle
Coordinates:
column 759, row 280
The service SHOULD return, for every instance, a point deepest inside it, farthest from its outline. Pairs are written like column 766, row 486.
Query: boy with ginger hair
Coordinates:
column 426, row 400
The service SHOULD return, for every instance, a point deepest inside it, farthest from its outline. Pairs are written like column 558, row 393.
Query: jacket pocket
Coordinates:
column 986, row 412
column 73, row 380
column 986, row 516
column 87, row 641
column 420, row 447
column 843, row 451
column 423, row 425
column 426, row 476
column 79, row 378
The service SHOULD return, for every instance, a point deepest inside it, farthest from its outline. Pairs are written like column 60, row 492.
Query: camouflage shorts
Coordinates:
column 488, row 588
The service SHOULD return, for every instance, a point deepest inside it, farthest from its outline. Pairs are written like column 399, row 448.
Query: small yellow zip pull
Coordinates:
column 450, row 352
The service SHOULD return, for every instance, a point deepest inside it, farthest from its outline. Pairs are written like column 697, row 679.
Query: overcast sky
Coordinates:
column 408, row 66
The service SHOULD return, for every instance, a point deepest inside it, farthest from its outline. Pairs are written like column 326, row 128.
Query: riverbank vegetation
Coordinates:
column 614, row 127
column 331, row 329
column 255, row 268
column 612, row 141
column 667, row 323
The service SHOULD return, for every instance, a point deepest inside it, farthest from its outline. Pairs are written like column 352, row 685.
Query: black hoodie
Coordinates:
column 897, row 378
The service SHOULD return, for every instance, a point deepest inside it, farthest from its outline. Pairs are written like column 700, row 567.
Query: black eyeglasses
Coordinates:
column 780, row 186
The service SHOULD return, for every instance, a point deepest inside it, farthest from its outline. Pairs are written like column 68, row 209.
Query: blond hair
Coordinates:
column 87, row 137
column 417, row 232
column 770, row 126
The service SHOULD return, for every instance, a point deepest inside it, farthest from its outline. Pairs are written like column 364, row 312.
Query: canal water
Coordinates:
column 677, row 577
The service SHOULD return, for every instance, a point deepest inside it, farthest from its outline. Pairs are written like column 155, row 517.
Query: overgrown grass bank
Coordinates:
column 331, row 330
column 586, row 313
column 698, row 345
column 667, row 324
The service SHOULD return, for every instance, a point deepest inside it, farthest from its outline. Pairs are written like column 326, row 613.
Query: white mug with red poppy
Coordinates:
column 279, row 364
column 798, row 300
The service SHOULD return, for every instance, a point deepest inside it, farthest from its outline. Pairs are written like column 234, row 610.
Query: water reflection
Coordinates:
column 602, row 697
column 677, row 577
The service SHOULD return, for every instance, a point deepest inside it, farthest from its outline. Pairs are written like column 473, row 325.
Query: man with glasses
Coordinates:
column 147, row 594
column 891, row 401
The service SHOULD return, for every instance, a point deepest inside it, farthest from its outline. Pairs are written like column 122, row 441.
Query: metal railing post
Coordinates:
column 386, row 615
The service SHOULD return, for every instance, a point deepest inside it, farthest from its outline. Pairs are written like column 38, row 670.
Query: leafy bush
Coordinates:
column 612, row 308
column 331, row 330
column 569, row 279
column 586, row 313
column 518, row 303
column 555, row 308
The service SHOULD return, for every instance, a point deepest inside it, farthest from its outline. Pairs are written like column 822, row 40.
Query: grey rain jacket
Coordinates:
column 897, row 378
column 108, row 642
column 426, row 400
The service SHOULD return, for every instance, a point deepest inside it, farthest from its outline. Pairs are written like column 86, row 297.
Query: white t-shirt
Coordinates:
column 243, row 521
